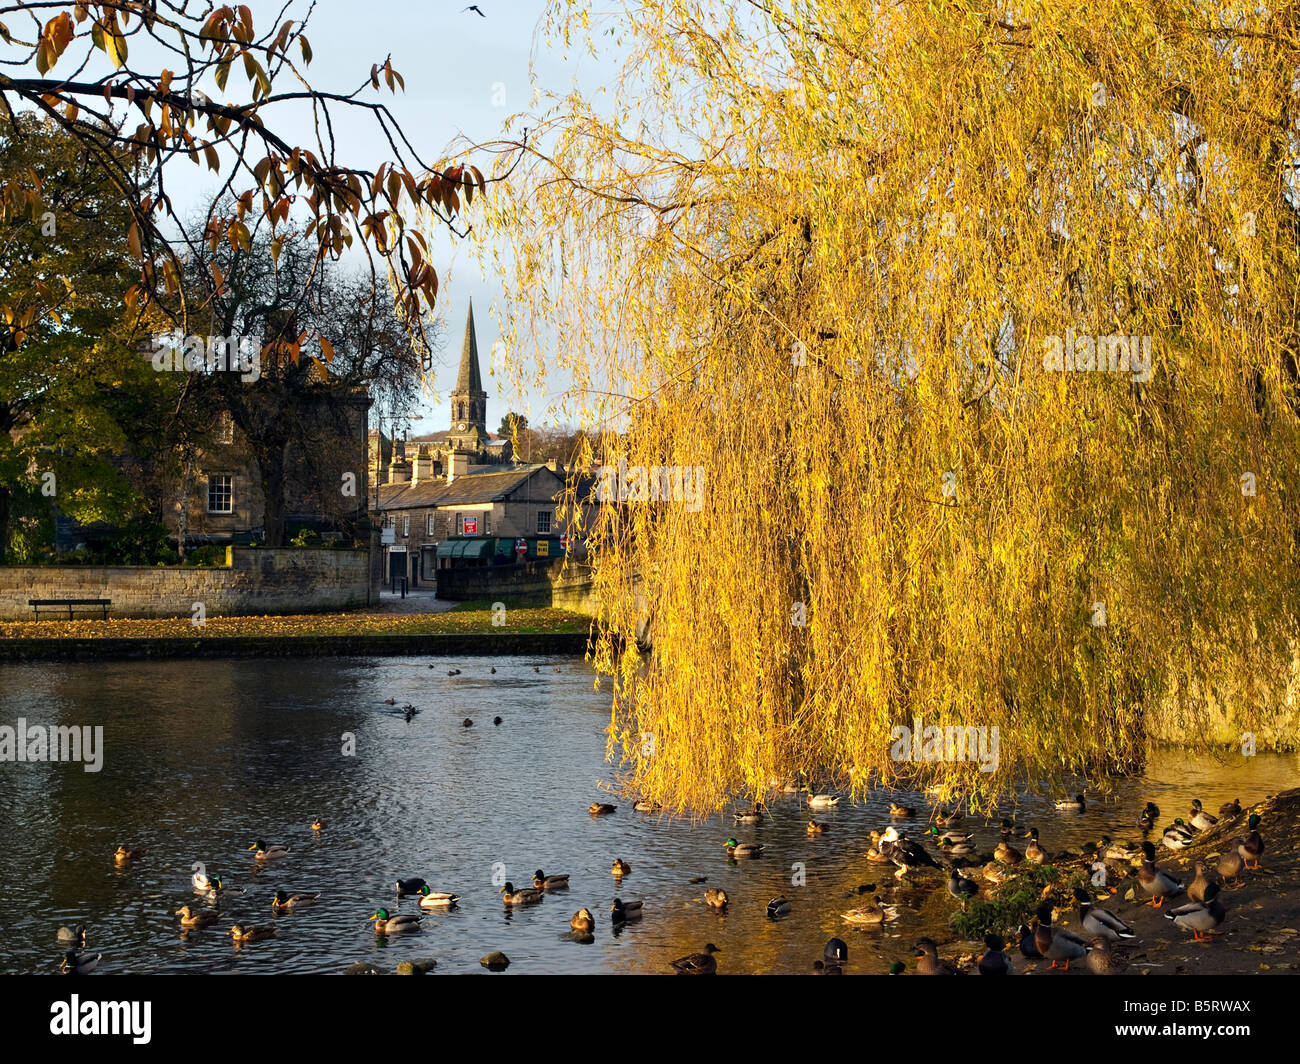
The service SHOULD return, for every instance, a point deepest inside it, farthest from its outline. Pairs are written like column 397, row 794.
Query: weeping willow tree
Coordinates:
column 890, row 276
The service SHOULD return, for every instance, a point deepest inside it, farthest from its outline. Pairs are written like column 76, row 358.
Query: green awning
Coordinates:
column 473, row 549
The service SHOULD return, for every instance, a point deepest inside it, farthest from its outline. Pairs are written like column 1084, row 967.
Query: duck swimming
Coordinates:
column 698, row 963
column 1149, row 816
column 901, row 810
column 197, row 918
column 436, row 899
column 821, row 801
column 541, row 881
column 125, row 855
column 743, row 849
column 716, row 899
column 284, row 902
column 269, row 853
column 814, row 828
column 513, row 899
column 67, row 936
column 242, row 934
column 620, row 868
column 583, row 922
column 601, row 809
column 410, row 886
column 1076, row 803
column 778, row 907
column 394, row 924
column 75, row 963
column 622, row 911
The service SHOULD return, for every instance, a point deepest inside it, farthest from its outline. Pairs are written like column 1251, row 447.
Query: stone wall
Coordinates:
column 254, row 581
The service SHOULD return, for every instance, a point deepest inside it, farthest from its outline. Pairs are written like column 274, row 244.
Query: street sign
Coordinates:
column 564, row 542
column 543, row 548
column 521, row 546
column 470, row 526
column 387, row 536
column 397, row 550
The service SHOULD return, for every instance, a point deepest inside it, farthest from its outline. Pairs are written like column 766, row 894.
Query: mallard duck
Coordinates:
column 436, row 899
column 752, row 815
column 995, row 962
column 743, row 849
column 620, row 868
column 778, row 907
column 643, row 805
column 242, row 934
column 410, row 886
column 698, row 963
column 1028, row 944
column 1197, row 889
column 1200, row 917
column 387, row 923
column 815, row 828
column 541, row 881
column 1199, row 818
column 946, row 819
column 1102, row 960
column 928, row 962
column 997, row 873
column 954, row 837
column 69, row 937
column 821, row 801
column 318, row 825
column 513, row 899
column 1006, row 828
column 600, row 809
column 1007, row 854
column 868, row 914
column 716, row 898
column 621, row 911
column 83, row 963
column 1149, row 816
column 125, row 855
column 1108, row 850
column 823, row 968
column 901, row 810
column 1230, row 809
column 1154, row 883
column 1034, row 853
column 203, row 883
column 268, row 853
column 1057, row 944
column 284, row 902
column 836, row 951
column 961, row 888
column 1177, row 835
column 1100, row 923
column 583, row 922
column 197, row 918
column 1230, row 865
column 955, row 849
column 904, row 853
column 1251, row 847
column 1076, row 803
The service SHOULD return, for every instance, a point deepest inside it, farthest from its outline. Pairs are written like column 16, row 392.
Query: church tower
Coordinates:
column 469, row 401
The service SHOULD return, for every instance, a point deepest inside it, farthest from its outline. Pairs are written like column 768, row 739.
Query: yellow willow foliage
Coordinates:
column 820, row 250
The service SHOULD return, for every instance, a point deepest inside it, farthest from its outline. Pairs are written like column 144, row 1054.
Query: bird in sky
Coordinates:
column 475, row 9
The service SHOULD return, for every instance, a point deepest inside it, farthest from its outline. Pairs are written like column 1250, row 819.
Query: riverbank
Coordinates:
column 473, row 629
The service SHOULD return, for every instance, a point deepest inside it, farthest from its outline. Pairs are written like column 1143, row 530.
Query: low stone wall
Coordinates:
column 255, row 581
column 530, row 584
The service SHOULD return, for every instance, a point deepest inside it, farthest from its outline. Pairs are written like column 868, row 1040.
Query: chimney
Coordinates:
column 457, row 465
column 422, row 464
column 399, row 472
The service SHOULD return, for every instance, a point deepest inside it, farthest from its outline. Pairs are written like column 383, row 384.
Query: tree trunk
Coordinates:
column 6, row 510
column 271, row 459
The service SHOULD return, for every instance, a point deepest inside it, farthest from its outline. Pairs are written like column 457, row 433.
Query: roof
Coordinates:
column 467, row 488
column 468, row 380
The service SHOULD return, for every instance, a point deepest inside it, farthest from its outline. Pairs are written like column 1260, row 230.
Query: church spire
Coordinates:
column 468, row 380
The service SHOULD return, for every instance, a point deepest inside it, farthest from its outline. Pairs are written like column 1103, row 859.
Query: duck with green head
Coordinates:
column 1154, row 883
column 268, row 853
column 1251, row 847
column 1200, row 917
column 743, row 849
column 436, row 899
column 387, row 923
column 1199, row 818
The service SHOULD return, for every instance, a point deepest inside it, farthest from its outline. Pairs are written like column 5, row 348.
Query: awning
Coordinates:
column 471, row 549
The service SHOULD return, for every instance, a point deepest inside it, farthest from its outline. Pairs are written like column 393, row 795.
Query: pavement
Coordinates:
column 418, row 600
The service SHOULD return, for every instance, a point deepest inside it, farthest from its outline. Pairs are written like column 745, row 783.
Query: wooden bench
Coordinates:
column 69, row 604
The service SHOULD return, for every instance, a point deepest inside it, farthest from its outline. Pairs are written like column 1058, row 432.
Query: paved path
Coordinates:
column 418, row 600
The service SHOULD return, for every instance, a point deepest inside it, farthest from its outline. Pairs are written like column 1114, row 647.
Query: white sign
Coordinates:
column 387, row 536
column 397, row 550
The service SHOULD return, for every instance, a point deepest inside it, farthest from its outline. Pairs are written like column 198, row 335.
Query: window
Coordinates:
column 406, row 527
column 428, row 525
column 221, row 494
column 487, row 523
column 543, row 522
column 460, row 524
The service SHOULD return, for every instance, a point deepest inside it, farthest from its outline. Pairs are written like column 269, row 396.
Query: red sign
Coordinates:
column 471, row 526
column 564, row 542
column 521, row 546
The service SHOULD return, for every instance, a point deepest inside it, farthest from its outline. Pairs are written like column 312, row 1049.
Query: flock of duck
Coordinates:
column 1043, row 939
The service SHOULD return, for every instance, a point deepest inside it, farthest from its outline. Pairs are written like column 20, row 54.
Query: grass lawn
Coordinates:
column 468, row 618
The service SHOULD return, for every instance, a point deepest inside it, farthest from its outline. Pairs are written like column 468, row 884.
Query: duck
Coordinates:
column 269, row 853
column 1100, row 923
column 197, row 917
column 284, row 902
column 743, row 849
column 410, row 886
column 621, row 911
column 778, row 907
column 1034, row 853
column 1108, row 850
column 394, row 923
column 82, row 963
column 600, row 809
column 644, row 805
column 204, row 883
column 1076, row 803
column 1149, row 816
column 997, row 873
column 70, row 937
column 904, row 853
column 620, row 868
column 251, row 933
column 1230, row 809
column 1230, row 865
column 701, row 963
column 815, row 828
column 1199, row 818
column 436, row 899
column 955, row 849
column 1006, row 828
column 125, row 855
column 821, row 801
column 897, row 810
column 513, row 899
column 954, row 837
column 583, row 922
column 995, row 961
column 716, row 898
column 928, row 961
column 1200, row 917
column 1007, row 854
column 752, row 815
column 318, row 825
column 1057, row 944
column 541, row 881
column 1028, row 945
column 1197, row 889
column 868, row 914
column 1251, row 847
column 961, row 888
column 946, row 819
column 1154, row 883
column 1102, row 960
column 836, row 951
column 823, row 968
column 1177, row 835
